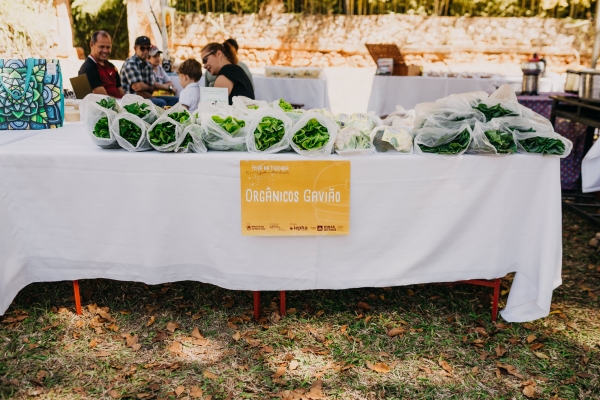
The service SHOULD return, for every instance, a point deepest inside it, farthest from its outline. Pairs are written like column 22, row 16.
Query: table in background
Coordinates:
column 313, row 93
column 570, row 167
column 408, row 91
column 71, row 210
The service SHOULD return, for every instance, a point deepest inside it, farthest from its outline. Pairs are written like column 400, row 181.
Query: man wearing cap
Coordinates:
column 137, row 74
column 102, row 75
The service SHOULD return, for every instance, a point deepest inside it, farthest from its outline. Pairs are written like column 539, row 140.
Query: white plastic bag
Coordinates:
column 94, row 99
column 503, row 100
column 392, row 139
column 94, row 113
column 190, row 140
column 117, row 127
column 257, row 119
column 163, row 134
column 293, row 114
column 400, row 117
column 178, row 109
column 352, row 141
column 525, row 130
column 480, row 144
column 153, row 110
column 244, row 105
column 443, row 141
column 217, row 138
column 330, row 125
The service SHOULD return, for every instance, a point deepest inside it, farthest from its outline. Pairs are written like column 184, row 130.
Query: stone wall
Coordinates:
column 273, row 38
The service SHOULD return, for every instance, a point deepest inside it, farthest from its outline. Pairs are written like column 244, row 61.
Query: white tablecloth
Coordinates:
column 313, row 93
column 590, row 169
column 70, row 210
column 389, row 91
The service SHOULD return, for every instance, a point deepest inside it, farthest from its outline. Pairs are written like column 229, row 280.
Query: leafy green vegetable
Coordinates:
column 502, row 141
column 455, row 146
column 496, row 111
column 137, row 109
column 162, row 134
column 252, row 107
column 109, row 103
column 285, row 106
column 268, row 133
column 101, row 129
column 130, row 131
column 543, row 145
column 312, row 136
column 230, row 124
column 188, row 139
column 180, row 117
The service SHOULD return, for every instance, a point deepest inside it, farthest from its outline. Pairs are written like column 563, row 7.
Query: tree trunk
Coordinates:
column 65, row 29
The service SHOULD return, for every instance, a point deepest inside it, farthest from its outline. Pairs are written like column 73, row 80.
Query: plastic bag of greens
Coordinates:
column 101, row 99
column 502, row 103
column 534, row 136
column 400, row 117
column 141, row 107
column 499, row 137
column 292, row 113
column 480, row 143
column 190, row 140
column 163, row 133
column 313, row 135
column 363, row 122
column 179, row 114
column 392, row 139
column 131, row 132
column 244, row 105
column 352, row 142
column 444, row 141
column 98, row 119
column 453, row 108
column 222, row 130
column 267, row 131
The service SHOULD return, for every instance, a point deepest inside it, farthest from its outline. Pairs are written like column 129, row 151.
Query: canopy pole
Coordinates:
column 596, row 51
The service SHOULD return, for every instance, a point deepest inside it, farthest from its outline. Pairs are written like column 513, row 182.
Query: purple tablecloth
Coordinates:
column 570, row 167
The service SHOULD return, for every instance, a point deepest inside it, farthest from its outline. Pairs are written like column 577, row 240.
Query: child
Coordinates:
column 190, row 72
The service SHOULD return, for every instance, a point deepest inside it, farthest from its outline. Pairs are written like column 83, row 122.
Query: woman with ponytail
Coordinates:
column 221, row 61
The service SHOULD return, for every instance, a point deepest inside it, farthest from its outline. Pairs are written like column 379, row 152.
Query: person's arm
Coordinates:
column 121, row 92
column 100, row 90
column 223, row 82
column 134, row 77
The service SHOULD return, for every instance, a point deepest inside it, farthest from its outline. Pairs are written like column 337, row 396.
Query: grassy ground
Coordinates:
column 189, row 341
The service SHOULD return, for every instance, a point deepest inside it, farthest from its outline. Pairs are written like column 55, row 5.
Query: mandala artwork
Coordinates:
column 30, row 94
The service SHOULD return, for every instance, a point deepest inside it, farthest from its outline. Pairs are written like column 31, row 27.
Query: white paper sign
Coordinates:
column 214, row 96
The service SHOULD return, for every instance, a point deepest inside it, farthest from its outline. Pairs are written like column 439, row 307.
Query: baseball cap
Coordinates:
column 142, row 40
column 154, row 51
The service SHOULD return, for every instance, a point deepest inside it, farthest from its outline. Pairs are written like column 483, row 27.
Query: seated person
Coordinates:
column 137, row 74
column 221, row 61
column 102, row 75
column 161, row 79
column 190, row 72
column 209, row 79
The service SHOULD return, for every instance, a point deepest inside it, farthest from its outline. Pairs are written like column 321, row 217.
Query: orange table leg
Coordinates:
column 77, row 297
column 282, row 305
column 495, row 283
column 256, row 306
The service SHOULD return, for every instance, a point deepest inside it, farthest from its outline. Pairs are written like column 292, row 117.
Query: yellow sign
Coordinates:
column 293, row 198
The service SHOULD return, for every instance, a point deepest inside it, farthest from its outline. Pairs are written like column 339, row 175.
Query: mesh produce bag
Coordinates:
column 245, row 106
column 163, row 134
column 268, row 131
column 392, row 139
column 313, row 135
column 98, row 120
column 286, row 108
column 443, row 141
column 131, row 132
column 143, row 108
column 535, row 136
column 190, row 140
column 224, row 130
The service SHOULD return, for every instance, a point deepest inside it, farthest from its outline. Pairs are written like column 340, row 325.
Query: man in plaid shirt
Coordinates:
column 136, row 74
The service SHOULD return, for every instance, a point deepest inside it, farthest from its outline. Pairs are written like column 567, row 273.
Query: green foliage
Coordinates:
column 455, row 146
column 483, row 8
column 180, row 117
column 109, row 103
column 108, row 15
column 492, row 112
column 140, row 110
column 502, row 141
column 268, row 133
column 101, row 128
column 543, row 145
column 285, row 106
column 162, row 134
column 230, row 124
column 130, row 131
column 312, row 136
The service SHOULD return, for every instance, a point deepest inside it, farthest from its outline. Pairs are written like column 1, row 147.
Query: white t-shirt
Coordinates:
column 190, row 96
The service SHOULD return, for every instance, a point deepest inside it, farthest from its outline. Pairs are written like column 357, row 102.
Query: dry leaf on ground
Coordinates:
column 396, row 331
column 236, row 336
column 113, row 393
column 176, row 348
column 541, row 355
column 531, row 338
column 209, row 375
column 196, row 333
column 293, row 365
column 529, row 388
column 279, row 373
column 179, row 390
column 196, row 392
column 446, row 366
column 151, row 320
column 172, row 326
column 500, row 350
column 379, row 367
